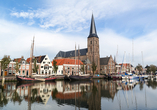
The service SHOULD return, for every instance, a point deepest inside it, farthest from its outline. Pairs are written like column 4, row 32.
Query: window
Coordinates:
column 49, row 72
column 27, row 67
column 23, row 72
column 62, row 72
column 90, row 42
column 41, row 66
column 50, row 66
column 43, row 62
column 45, row 58
column 46, row 67
column 88, row 67
column 23, row 67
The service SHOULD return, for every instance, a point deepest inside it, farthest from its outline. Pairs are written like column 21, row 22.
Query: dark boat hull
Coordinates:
column 25, row 79
column 73, row 77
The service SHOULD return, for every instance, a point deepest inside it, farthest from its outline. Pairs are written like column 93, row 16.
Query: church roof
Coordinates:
column 71, row 53
column 93, row 32
column 104, row 61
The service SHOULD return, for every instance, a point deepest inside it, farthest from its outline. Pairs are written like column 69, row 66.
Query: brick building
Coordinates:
column 68, row 66
column 107, row 65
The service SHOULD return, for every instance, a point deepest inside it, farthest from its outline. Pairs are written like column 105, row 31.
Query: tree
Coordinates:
column 148, row 69
column 17, row 66
column 36, row 67
column 4, row 62
column 83, row 68
column 54, row 93
column 55, row 67
column 139, row 68
column 94, row 68
column 153, row 68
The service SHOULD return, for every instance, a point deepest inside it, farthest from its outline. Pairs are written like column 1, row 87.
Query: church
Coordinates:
column 87, row 55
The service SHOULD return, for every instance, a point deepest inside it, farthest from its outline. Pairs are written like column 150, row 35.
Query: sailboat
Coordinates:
column 32, row 78
column 79, row 76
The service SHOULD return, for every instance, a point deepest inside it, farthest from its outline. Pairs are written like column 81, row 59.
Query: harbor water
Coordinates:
column 96, row 94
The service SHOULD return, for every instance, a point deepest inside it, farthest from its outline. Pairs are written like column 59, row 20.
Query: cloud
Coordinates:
column 75, row 15
column 16, row 41
column 109, row 40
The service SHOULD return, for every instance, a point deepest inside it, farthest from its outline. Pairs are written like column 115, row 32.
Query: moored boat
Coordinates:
column 34, row 79
column 80, row 77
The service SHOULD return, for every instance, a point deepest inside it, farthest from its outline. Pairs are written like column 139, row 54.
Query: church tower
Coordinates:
column 93, row 46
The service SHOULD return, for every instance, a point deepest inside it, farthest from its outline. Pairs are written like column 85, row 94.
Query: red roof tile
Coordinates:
column 67, row 61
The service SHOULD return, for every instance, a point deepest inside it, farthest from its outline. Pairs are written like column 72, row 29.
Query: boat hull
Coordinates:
column 72, row 77
column 25, row 79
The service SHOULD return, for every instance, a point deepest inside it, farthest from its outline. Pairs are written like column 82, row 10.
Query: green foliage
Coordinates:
column 55, row 67
column 55, row 92
column 17, row 66
column 82, row 68
column 139, row 67
column 148, row 69
column 94, row 68
column 36, row 67
column 153, row 68
column 5, row 61
column 94, row 89
column 16, row 97
column 34, row 94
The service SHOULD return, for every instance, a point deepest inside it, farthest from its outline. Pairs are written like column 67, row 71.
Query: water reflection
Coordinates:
column 91, row 95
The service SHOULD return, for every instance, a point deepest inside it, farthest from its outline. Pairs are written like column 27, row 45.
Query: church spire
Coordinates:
column 93, row 32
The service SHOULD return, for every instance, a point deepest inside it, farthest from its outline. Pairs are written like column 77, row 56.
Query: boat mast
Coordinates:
column 75, row 58
column 31, row 57
column 78, row 59
column 142, row 62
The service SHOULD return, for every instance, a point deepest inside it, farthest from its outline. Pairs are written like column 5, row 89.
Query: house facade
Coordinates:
column 107, row 65
column 68, row 66
column 126, row 67
column 44, row 64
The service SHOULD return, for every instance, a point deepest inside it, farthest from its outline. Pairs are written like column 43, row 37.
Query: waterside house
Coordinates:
column 68, row 66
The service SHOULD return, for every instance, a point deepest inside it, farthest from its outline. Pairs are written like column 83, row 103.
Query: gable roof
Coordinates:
column 17, row 59
column 67, row 61
column 38, row 58
column 72, row 53
column 104, row 61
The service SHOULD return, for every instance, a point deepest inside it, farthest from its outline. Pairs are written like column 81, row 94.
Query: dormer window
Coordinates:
column 23, row 62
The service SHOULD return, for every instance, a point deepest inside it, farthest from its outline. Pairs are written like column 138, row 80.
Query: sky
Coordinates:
column 127, row 29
